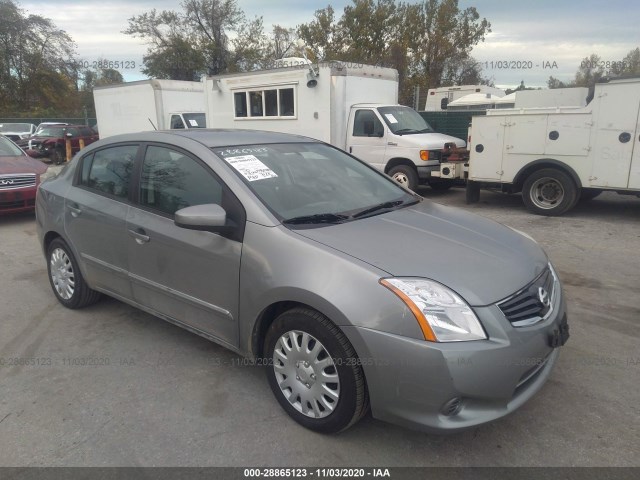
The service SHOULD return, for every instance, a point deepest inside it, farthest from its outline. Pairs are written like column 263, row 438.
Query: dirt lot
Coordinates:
column 112, row 386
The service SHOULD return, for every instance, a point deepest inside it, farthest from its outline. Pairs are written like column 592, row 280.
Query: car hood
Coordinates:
column 481, row 260
column 430, row 141
column 21, row 164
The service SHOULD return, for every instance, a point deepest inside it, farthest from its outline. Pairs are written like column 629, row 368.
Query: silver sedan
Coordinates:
column 352, row 292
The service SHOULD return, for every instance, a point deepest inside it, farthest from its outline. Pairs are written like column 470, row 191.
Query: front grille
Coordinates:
column 531, row 304
column 10, row 182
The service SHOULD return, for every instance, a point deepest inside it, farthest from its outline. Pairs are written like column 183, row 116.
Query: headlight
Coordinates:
column 442, row 314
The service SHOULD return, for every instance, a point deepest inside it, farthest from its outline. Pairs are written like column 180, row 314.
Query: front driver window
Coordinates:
column 367, row 124
column 171, row 180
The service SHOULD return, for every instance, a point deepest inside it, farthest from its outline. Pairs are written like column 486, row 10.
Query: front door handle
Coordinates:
column 140, row 235
column 74, row 209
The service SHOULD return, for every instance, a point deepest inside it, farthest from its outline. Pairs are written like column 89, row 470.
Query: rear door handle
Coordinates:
column 350, row 149
column 74, row 209
column 140, row 235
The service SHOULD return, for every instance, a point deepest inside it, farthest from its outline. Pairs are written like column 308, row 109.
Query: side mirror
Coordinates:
column 210, row 217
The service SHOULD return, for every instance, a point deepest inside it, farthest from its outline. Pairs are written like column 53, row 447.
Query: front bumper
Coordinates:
column 18, row 200
column 412, row 382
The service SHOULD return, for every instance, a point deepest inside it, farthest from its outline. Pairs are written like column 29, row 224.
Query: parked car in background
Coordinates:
column 17, row 131
column 19, row 178
column 49, row 141
column 279, row 247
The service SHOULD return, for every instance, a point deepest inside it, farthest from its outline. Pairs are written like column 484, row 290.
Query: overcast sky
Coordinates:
column 555, row 34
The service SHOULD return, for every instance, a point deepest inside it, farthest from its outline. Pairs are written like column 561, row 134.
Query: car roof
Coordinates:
column 214, row 137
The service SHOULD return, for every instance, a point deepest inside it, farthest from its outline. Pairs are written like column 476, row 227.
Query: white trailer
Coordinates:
column 438, row 99
column 353, row 107
column 149, row 105
column 557, row 156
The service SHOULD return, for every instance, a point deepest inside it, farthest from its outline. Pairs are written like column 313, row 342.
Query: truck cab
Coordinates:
column 397, row 141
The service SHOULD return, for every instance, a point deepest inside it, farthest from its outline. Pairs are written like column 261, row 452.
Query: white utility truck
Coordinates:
column 556, row 156
column 149, row 105
column 353, row 107
column 438, row 99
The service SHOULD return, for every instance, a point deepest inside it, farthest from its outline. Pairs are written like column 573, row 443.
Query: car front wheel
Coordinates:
column 405, row 176
column 314, row 372
column 65, row 278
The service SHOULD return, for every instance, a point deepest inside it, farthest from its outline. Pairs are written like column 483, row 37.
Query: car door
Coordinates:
column 188, row 275
column 96, row 207
column 366, row 137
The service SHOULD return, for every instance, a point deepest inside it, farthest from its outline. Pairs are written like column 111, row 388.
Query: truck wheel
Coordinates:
column 440, row 185
column 549, row 192
column 472, row 193
column 314, row 371
column 405, row 176
column 57, row 157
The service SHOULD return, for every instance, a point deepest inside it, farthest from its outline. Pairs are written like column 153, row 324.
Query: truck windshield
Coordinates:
column 195, row 120
column 310, row 184
column 404, row 120
column 15, row 127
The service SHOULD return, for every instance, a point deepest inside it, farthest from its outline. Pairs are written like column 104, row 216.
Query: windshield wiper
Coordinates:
column 380, row 206
column 317, row 218
column 406, row 130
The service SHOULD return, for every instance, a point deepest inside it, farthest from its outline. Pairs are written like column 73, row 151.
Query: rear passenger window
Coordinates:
column 171, row 180
column 109, row 170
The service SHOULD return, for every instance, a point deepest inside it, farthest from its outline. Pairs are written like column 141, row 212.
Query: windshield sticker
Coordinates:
column 391, row 118
column 193, row 123
column 251, row 167
column 241, row 151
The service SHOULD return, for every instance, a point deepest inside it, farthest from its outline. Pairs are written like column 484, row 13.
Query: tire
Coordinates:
column 304, row 344
column 472, row 193
column 587, row 194
column 549, row 192
column 57, row 157
column 405, row 175
column 65, row 277
column 440, row 185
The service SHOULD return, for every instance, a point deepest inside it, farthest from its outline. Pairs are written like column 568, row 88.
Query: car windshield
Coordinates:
column 15, row 127
column 8, row 148
column 195, row 120
column 404, row 120
column 50, row 132
column 313, row 183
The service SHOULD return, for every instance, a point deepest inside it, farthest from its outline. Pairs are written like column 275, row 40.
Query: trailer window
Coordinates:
column 287, row 108
column 273, row 103
column 255, row 99
column 240, row 99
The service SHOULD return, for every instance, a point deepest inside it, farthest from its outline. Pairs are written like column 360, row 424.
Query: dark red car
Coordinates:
column 19, row 178
column 49, row 141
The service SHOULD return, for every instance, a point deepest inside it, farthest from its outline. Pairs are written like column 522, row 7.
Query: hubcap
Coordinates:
column 401, row 178
column 547, row 193
column 306, row 374
column 62, row 275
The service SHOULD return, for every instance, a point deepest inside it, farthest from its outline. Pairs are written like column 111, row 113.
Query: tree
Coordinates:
column 195, row 41
column 441, row 35
column 37, row 72
column 429, row 43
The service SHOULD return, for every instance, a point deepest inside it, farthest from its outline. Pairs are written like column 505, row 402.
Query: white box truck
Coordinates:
column 557, row 156
column 353, row 107
column 149, row 105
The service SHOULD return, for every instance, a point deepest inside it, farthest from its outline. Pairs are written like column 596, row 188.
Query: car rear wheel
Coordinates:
column 549, row 192
column 314, row 372
column 405, row 176
column 66, row 280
